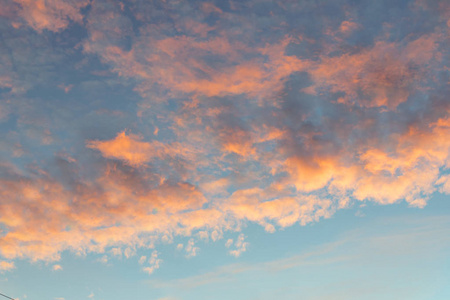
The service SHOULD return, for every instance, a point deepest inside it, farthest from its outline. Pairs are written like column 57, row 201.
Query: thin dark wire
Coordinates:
column 6, row 296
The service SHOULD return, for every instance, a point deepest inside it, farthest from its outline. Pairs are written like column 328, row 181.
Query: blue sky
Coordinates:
column 224, row 149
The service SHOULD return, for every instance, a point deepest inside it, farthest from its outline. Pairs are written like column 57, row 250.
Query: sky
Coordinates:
column 254, row 149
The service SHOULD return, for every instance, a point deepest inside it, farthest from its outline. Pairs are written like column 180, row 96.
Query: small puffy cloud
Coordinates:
column 444, row 183
column 129, row 252
column 6, row 265
column 348, row 26
column 103, row 259
column 57, row 267
column 154, row 263
column 241, row 246
column 229, row 243
column 142, row 259
column 203, row 235
column 190, row 249
column 216, row 235
column 269, row 228
column 116, row 252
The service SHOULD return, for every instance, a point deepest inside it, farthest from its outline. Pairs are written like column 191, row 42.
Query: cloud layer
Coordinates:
column 138, row 122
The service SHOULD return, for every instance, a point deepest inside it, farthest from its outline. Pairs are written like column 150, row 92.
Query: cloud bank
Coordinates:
column 139, row 122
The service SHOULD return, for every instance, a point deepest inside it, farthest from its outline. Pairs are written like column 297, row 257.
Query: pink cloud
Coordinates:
column 155, row 189
column 123, row 210
column 383, row 73
column 53, row 15
column 128, row 148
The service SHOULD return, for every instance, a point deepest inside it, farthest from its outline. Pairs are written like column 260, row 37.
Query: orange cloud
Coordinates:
column 269, row 181
column 251, row 204
column 208, row 7
column 380, row 76
column 348, row 26
column 128, row 148
column 180, row 64
column 124, row 208
column 53, row 15
column 310, row 174
column 131, row 149
column 409, row 172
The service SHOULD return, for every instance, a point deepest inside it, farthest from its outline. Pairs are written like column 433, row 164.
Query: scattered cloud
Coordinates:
column 241, row 246
column 154, row 263
column 185, row 127
column 190, row 249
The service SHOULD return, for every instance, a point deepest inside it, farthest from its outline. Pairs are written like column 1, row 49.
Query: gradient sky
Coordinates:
column 178, row 150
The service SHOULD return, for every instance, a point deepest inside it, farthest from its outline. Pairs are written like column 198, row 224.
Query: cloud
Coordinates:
column 348, row 26
column 154, row 263
column 123, row 205
column 103, row 259
column 128, row 148
column 6, row 265
column 57, row 267
column 182, row 64
column 230, row 116
column 445, row 182
column 190, row 249
column 240, row 245
column 53, row 15
column 131, row 149
column 229, row 243
column 385, row 75
column 142, row 259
